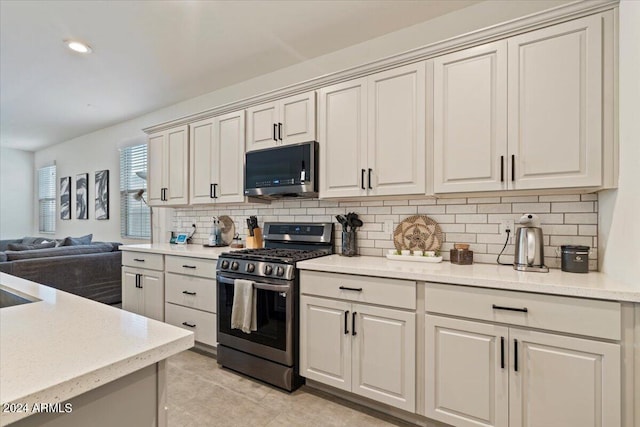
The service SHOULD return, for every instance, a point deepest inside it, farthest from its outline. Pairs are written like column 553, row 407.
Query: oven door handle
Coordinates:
column 267, row 287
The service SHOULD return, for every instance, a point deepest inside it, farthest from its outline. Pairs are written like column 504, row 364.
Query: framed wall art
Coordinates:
column 82, row 196
column 65, row 197
column 102, row 194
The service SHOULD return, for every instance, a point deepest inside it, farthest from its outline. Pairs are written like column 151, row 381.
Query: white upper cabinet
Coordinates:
column 342, row 133
column 286, row 121
column 168, row 166
column 372, row 134
column 555, row 106
column 217, row 159
column 523, row 113
column 470, row 119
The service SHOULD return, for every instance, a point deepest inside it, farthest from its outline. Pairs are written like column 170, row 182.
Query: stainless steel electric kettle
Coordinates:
column 529, row 255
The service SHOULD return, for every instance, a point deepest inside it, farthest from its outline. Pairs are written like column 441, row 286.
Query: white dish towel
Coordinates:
column 243, row 311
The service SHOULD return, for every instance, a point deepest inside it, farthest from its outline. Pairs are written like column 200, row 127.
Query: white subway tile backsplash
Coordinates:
column 495, row 208
column 461, row 209
column 565, row 219
column 451, row 201
column 482, row 228
column 483, row 200
column 471, row 219
column 573, row 207
column 519, row 199
column 404, row 210
column 531, row 208
column 581, row 218
column 423, row 202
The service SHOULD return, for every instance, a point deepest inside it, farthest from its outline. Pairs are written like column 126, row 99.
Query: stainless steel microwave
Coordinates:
column 284, row 171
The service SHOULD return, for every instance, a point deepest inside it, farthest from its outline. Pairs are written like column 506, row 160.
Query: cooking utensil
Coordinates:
column 343, row 221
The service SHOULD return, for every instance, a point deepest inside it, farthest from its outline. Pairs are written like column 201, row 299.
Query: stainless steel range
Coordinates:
column 270, row 352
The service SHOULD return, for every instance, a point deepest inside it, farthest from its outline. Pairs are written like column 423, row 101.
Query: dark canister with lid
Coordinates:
column 574, row 259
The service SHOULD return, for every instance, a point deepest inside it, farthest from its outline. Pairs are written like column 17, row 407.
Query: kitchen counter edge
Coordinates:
column 592, row 285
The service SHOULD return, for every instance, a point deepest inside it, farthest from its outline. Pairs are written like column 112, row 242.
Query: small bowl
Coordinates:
column 417, row 253
column 429, row 253
column 405, row 252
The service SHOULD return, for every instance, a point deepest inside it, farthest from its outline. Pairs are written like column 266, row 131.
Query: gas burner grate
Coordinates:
column 277, row 254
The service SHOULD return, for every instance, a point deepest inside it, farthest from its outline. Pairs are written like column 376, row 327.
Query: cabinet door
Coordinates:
column 555, row 105
column 470, row 119
column 396, row 123
column 156, row 168
column 262, row 126
column 384, row 355
column 202, row 160
column 131, row 296
column 562, row 381
column 342, row 134
column 152, row 283
column 229, row 158
column 298, row 118
column 325, row 341
column 466, row 383
column 177, row 161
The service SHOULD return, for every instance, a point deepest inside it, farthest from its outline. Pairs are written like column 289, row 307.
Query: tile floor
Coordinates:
column 200, row 393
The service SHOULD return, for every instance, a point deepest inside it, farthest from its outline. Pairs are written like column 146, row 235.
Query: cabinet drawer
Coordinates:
column 579, row 316
column 143, row 260
column 371, row 290
column 202, row 324
column 192, row 266
column 189, row 291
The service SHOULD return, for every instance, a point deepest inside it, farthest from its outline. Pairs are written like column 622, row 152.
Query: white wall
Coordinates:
column 16, row 189
column 619, row 209
column 98, row 150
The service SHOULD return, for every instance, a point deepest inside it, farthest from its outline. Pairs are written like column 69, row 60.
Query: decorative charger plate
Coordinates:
column 418, row 232
column 228, row 229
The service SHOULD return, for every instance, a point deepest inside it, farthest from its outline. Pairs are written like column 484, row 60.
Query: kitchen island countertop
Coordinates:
column 64, row 345
column 590, row 285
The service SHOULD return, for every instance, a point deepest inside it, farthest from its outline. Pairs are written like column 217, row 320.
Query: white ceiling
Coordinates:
column 150, row 54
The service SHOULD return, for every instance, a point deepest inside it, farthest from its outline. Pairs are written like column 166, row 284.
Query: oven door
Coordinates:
column 275, row 307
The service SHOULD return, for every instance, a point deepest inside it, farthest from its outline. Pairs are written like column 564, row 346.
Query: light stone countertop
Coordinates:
column 590, row 285
column 65, row 345
column 189, row 250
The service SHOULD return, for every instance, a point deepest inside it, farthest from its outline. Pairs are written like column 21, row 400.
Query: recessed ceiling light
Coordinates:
column 78, row 46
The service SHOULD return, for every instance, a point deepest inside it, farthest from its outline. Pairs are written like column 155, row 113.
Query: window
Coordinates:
column 47, row 199
column 135, row 215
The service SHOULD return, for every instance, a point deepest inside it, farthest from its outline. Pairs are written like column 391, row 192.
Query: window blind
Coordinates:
column 135, row 221
column 47, row 199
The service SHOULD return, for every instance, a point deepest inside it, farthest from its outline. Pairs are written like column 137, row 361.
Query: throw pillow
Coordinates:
column 76, row 241
column 26, row 247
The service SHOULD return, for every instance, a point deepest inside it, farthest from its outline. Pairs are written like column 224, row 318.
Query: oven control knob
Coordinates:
column 225, row 264
column 250, row 268
column 280, row 271
column 234, row 265
column 268, row 269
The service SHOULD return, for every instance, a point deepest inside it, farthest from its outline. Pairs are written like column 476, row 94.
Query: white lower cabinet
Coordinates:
column 190, row 301
column 143, row 292
column 360, row 348
column 486, row 374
